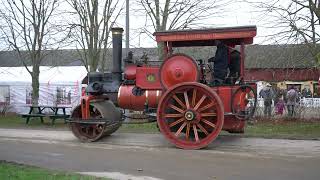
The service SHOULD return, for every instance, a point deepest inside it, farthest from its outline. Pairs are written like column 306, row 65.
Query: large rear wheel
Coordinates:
column 190, row 115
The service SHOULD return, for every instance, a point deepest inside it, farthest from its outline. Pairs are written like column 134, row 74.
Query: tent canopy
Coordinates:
column 48, row 75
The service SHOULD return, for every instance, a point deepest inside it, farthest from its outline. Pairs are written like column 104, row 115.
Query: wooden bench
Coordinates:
column 28, row 116
column 41, row 114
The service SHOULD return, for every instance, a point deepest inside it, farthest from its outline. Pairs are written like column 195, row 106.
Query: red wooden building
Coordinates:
column 283, row 63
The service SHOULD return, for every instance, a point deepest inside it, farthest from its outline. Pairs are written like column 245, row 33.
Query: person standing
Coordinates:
column 279, row 106
column 267, row 94
column 292, row 97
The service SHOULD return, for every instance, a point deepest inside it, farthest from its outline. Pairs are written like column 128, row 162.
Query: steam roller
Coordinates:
column 184, row 96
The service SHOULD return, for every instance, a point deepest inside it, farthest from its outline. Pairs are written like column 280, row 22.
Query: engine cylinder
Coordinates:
column 127, row 100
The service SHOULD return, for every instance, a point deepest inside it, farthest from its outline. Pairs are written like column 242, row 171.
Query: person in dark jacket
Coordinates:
column 220, row 64
column 234, row 67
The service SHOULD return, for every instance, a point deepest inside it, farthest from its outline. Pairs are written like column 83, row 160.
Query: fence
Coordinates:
column 307, row 108
column 310, row 102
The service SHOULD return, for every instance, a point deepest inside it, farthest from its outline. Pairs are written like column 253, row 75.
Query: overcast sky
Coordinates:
column 238, row 14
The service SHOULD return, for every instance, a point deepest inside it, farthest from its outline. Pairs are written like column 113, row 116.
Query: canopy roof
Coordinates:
column 49, row 75
column 208, row 37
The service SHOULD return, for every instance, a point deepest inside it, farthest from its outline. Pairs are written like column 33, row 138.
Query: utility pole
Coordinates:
column 127, row 27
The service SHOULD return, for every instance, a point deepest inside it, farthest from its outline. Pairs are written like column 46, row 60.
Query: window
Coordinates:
column 295, row 86
column 63, row 96
column 4, row 95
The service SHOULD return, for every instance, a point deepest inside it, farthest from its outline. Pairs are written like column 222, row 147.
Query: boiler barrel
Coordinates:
column 127, row 100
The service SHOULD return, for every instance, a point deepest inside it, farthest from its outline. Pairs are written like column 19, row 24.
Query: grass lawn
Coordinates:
column 34, row 123
column 140, row 128
column 266, row 129
column 12, row 171
column 284, row 129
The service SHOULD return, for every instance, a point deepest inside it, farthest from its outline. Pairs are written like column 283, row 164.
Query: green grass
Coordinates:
column 284, row 129
column 267, row 129
column 13, row 171
column 19, row 122
column 139, row 128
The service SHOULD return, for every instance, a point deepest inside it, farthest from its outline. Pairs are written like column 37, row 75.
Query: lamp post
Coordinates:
column 127, row 26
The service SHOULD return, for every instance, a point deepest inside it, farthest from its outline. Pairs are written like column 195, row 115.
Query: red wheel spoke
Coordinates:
column 208, row 114
column 178, row 101
column 200, row 102
column 194, row 95
column 180, row 129
column 207, row 106
column 203, row 129
column 176, row 122
column 186, row 99
column 173, row 115
column 209, row 123
column 195, row 132
column 188, row 131
column 176, row 108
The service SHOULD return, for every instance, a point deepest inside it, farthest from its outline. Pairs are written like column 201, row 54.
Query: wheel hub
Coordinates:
column 189, row 115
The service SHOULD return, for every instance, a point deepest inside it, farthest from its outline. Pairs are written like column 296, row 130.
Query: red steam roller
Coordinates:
column 191, row 99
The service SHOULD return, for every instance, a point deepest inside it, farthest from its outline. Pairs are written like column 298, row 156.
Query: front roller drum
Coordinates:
column 190, row 115
column 98, row 110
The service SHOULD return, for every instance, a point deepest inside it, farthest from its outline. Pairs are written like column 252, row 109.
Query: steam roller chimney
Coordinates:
column 117, row 50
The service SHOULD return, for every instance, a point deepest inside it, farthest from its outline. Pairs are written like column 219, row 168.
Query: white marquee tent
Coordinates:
column 58, row 86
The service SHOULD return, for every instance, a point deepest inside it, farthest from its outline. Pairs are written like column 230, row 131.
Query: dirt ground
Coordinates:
column 149, row 156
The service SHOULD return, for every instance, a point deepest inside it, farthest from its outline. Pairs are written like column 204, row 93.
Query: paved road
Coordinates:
column 150, row 156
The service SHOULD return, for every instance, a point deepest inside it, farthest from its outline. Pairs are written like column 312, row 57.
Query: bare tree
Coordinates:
column 292, row 21
column 26, row 27
column 179, row 14
column 92, row 29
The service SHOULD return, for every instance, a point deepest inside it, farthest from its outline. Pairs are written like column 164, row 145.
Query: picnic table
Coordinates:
column 41, row 111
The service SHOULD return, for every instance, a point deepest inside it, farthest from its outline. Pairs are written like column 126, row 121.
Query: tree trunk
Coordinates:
column 94, row 60
column 35, row 84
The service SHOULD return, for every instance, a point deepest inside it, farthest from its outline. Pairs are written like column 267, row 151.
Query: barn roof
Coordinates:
column 257, row 56
column 280, row 56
